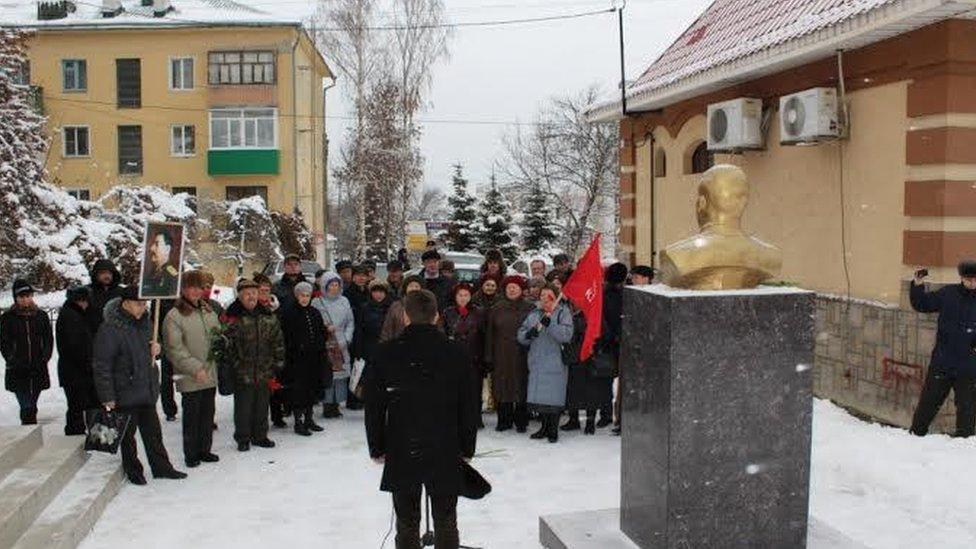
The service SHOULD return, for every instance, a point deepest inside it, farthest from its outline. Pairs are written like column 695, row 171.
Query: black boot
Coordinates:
column 573, row 424
column 590, row 428
column 331, row 411
column 504, row 417
column 543, row 431
column 552, row 432
column 300, row 427
column 310, row 423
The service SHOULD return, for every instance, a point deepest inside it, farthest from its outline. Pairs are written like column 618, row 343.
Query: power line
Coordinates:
column 460, row 121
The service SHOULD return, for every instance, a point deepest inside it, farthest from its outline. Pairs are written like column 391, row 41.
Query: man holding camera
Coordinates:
column 421, row 420
column 953, row 364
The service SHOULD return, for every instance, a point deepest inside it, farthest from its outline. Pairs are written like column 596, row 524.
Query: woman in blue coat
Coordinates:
column 544, row 332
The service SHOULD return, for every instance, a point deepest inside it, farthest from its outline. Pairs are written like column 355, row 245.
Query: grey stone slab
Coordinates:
column 717, row 406
column 17, row 444
column 600, row 530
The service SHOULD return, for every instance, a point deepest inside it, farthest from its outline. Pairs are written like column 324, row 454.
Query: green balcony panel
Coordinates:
column 243, row 162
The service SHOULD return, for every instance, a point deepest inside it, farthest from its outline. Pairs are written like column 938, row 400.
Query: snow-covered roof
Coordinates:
column 88, row 14
column 739, row 40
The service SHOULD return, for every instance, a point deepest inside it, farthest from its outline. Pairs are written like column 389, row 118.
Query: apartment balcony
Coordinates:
column 243, row 161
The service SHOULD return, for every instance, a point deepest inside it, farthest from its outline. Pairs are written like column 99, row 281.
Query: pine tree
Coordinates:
column 462, row 236
column 495, row 229
column 537, row 228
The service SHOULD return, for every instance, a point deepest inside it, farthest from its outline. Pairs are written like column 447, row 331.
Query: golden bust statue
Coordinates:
column 721, row 256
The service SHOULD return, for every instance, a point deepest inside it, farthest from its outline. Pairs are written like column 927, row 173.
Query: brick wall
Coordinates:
column 871, row 358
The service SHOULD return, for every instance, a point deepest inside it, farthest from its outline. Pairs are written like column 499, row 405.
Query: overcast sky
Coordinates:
column 505, row 73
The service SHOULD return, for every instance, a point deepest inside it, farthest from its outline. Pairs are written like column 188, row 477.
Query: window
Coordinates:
column 128, row 76
column 80, row 194
column 660, row 163
column 192, row 191
column 76, row 141
column 182, row 141
column 74, row 73
column 22, row 76
column 243, row 129
column 238, row 193
column 181, row 73
column 241, row 67
column 130, row 150
column 702, row 159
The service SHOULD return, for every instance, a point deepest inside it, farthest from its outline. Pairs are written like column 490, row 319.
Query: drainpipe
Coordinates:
column 294, row 112
column 325, row 174
column 653, row 212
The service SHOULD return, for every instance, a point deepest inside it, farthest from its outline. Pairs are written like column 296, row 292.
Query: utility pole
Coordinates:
column 623, row 70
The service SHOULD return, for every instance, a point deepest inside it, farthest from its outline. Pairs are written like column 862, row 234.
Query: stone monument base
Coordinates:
column 601, row 530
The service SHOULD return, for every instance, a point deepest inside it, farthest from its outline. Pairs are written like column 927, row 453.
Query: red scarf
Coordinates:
column 463, row 311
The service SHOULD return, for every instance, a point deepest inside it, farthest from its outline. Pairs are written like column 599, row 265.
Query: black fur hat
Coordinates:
column 967, row 269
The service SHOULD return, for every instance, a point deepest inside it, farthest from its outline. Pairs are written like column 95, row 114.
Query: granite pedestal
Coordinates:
column 717, row 404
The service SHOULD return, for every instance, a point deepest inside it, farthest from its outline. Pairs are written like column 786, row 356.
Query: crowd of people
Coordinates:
column 283, row 349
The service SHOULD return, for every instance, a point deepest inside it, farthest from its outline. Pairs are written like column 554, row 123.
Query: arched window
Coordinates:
column 660, row 163
column 702, row 159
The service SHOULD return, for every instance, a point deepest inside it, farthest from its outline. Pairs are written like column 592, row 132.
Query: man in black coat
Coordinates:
column 104, row 286
column 26, row 344
column 358, row 295
column 284, row 289
column 421, row 421
column 953, row 364
column 434, row 281
column 126, row 378
column 74, row 341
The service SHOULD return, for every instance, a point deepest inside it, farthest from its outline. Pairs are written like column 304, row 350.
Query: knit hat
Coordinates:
column 193, row 279
column 78, row 293
column 246, row 284
column 616, row 273
column 408, row 280
column 21, row 287
column 514, row 279
column 343, row 264
column 130, row 293
column 967, row 269
column 303, row 288
column 643, row 270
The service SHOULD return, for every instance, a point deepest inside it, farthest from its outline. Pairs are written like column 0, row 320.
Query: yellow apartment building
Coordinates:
column 209, row 97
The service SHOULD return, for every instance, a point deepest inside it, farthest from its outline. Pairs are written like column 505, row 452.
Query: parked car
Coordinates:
column 522, row 264
column 274, row 269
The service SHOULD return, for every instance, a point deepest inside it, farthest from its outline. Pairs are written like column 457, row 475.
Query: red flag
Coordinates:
column 585, row 289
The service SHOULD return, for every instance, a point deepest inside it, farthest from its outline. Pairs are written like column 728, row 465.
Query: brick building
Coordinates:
column 855, row 213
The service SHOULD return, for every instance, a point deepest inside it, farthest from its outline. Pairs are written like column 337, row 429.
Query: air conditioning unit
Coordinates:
column 809, row 116
column 735, row 125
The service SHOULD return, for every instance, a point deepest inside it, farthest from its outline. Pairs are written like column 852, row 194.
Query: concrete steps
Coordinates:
column 16, row 445
column 51, row 492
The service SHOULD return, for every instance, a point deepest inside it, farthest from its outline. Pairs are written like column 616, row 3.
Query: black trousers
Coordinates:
column 934, row 393
column 145, row 419
column 406, row 503
column 510, row 413
column 276, row 404
column 198, row 422
column 251, row 412
column 166, row 393
column 79, row 398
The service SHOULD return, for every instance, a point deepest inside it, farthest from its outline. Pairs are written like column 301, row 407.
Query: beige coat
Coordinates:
column 187, row 333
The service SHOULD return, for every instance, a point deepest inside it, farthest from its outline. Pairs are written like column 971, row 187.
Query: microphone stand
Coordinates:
column 427, row 540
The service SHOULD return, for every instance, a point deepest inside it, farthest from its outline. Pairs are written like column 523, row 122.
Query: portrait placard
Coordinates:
column 162, row 259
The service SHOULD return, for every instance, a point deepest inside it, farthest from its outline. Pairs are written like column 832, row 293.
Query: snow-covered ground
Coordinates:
column 878, row 485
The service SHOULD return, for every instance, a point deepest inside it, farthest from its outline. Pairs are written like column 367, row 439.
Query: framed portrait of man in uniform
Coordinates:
column 162, row 258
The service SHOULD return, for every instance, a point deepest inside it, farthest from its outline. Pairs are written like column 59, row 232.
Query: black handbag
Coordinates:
column 473, row 485
column 105, row 429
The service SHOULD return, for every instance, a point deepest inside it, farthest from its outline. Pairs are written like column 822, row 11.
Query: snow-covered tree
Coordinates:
column 538, row 230
column 462, row 236
column 495, row 227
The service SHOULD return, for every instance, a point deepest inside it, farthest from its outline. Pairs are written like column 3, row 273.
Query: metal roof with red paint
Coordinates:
column 737, row 40
column 732, row 29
